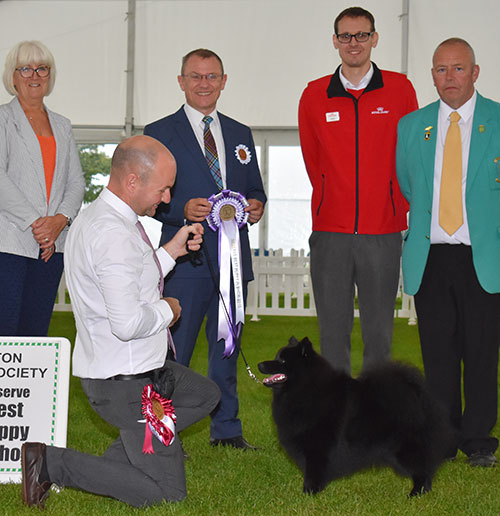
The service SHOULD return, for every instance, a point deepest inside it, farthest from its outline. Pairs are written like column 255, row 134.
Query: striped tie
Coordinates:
column 211, row 152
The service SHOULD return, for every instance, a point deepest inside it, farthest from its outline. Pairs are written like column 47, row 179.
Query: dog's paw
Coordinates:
column 417, row 492
column 421, row 486
column 311, row 487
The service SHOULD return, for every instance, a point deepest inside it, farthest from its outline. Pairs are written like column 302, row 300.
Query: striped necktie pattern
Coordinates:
column 211, row 152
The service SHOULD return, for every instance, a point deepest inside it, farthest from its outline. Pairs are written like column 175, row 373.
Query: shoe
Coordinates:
column 235, row 442
column 482, row 458
column 36, row 483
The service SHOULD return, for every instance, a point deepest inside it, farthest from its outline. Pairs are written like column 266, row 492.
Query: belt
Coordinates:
column 138, row 376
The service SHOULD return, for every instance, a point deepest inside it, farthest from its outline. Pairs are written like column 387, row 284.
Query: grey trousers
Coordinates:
column 339, row 262
column 124, row 472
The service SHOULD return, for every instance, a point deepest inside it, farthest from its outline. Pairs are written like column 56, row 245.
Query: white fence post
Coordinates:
column 61, row 305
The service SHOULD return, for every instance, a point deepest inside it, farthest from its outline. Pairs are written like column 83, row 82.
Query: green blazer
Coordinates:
column 415, row 170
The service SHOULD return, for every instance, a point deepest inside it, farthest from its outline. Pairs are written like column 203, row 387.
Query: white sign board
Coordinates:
column 34, row 389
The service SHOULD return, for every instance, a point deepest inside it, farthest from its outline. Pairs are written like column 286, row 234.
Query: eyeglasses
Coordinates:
column 27, row 72
column 361, row 37
column 197, row 77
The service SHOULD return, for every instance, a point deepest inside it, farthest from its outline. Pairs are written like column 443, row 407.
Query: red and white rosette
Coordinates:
column 159, row 417
column 227, row 216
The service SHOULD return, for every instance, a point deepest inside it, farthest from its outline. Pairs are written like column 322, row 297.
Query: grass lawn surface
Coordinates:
column 233, row 483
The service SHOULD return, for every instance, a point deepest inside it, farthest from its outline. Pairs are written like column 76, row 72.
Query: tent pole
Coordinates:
column 405, row 19
column 130, row 71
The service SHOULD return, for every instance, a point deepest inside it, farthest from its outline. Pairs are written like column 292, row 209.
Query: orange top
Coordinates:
column 48, row 148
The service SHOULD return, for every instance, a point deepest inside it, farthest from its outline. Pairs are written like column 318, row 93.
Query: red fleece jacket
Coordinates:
column 349, row 148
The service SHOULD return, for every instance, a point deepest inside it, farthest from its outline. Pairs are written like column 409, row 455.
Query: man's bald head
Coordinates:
column 456, row 41
column 142, row 173
column 137, row 154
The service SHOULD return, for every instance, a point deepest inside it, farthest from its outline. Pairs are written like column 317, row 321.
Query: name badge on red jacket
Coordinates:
column 333, row 116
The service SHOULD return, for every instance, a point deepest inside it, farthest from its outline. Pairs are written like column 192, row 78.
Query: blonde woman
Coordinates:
column 41, row 191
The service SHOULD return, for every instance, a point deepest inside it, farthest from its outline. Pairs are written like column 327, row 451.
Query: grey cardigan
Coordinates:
column 23, row 194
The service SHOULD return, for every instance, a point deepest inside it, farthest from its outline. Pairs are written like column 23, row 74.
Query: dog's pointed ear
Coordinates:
column 293, row 341
column 306, row 347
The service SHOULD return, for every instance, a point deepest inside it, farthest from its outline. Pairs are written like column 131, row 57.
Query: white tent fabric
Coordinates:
column 270, row 48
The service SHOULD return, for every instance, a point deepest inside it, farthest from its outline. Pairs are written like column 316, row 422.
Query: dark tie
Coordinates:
column 450, row 197
column 161, row 283
column 211, row 152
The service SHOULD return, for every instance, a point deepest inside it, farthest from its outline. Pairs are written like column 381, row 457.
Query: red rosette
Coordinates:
column 159, row 417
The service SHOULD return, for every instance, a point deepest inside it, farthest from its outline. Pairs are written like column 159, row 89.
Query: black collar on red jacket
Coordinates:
column 336, row 88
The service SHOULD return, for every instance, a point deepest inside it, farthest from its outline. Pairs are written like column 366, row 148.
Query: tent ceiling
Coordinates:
column 270, row 48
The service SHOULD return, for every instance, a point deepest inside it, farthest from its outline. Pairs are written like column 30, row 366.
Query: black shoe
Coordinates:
column 482, row 458
column 36, row 482
column 235, row 442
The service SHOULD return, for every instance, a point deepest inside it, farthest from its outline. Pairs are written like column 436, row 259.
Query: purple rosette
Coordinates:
column 226, row 217
column 223, row 203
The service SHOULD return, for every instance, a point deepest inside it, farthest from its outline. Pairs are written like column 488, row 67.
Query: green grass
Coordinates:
column 229, row 482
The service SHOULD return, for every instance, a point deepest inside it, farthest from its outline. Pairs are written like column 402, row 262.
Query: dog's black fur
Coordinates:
column 332, row 425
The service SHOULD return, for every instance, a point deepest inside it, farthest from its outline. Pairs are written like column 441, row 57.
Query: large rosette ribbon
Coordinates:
column 159, row 417
column 227, row 216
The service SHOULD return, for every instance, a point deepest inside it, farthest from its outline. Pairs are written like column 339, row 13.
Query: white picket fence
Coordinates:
column 282, row 286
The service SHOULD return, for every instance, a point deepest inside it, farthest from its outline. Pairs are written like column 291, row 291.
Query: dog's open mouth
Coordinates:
column 274, row 379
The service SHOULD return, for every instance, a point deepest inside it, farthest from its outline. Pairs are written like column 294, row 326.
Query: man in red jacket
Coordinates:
column 347, row 125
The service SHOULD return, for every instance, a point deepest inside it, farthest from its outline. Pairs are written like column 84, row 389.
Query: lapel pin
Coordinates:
column 481, row 129
column 427, row 134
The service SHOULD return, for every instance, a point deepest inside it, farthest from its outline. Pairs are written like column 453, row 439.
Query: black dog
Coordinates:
column 332, row 425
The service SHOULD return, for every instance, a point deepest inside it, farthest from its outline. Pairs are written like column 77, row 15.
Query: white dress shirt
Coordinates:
column 466, row 112
column 113, row 282
column 363, row 83
column 195, row 119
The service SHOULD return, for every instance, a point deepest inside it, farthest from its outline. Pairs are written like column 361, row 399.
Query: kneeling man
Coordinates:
column 115, row 278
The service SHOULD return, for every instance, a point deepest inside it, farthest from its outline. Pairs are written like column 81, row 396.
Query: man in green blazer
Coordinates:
column 454, row 273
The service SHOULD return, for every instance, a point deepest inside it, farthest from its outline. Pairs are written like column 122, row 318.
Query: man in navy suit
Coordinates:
column 195, row 284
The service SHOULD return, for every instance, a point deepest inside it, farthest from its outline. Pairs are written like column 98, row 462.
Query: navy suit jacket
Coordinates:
column 195, row 180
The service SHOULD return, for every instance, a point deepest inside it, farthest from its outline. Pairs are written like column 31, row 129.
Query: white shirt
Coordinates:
column 466, row 112
column 363, row 83
column 113, row 280
column 195, row 119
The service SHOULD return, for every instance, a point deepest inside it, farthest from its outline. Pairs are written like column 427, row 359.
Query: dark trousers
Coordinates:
column 459, row 325
column 199, row 298
column 28, row 289
column 124, row 472
column 339, row 262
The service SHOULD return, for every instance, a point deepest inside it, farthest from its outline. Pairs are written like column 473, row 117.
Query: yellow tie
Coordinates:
column 450, row 201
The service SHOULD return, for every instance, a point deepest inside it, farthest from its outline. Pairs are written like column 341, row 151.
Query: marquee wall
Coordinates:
column 271, row 49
